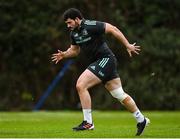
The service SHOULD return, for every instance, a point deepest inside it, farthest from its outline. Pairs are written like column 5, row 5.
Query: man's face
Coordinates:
column 72, row 24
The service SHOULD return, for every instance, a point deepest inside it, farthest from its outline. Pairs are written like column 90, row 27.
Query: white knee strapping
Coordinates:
column 119, row 94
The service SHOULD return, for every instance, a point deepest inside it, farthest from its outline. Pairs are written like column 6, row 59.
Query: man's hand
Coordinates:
column 133, row 48
column 57, row 56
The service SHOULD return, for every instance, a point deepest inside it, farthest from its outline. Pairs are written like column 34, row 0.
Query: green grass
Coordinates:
column 107, row 124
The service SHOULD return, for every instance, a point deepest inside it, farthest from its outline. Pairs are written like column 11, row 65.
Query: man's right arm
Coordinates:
column 73, row 51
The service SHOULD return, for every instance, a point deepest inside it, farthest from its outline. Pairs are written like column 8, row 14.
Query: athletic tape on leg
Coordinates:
column 119, row 94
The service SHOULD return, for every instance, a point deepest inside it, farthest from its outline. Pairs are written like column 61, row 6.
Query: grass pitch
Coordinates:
column 108, row 124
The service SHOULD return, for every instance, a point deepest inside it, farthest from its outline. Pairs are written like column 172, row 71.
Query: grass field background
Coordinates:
column 108, row 124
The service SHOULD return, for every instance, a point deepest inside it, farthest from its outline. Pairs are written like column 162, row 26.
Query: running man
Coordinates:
column 87, row 35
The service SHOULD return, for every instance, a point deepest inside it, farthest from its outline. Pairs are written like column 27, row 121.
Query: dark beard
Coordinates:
column 76, row 28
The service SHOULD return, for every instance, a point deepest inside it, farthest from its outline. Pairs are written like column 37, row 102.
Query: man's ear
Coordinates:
column 77, row 19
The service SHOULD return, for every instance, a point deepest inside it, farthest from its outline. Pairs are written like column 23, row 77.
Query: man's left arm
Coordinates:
column 110, row 29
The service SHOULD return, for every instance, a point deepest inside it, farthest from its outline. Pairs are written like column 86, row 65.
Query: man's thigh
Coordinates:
column 113, row 84
column 88, row 79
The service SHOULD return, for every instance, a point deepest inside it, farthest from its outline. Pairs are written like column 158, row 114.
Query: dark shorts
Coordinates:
column 105, row 68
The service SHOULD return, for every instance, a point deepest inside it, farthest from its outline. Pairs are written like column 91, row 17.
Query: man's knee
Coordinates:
column 119, row 94
column 80, row 86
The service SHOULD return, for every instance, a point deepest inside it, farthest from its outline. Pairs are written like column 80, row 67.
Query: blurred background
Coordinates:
column 32, row 30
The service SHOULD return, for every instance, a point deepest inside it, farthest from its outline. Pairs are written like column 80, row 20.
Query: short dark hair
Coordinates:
column 72, row 13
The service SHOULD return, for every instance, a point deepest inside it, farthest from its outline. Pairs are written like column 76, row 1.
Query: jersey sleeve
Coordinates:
column 97, row 27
